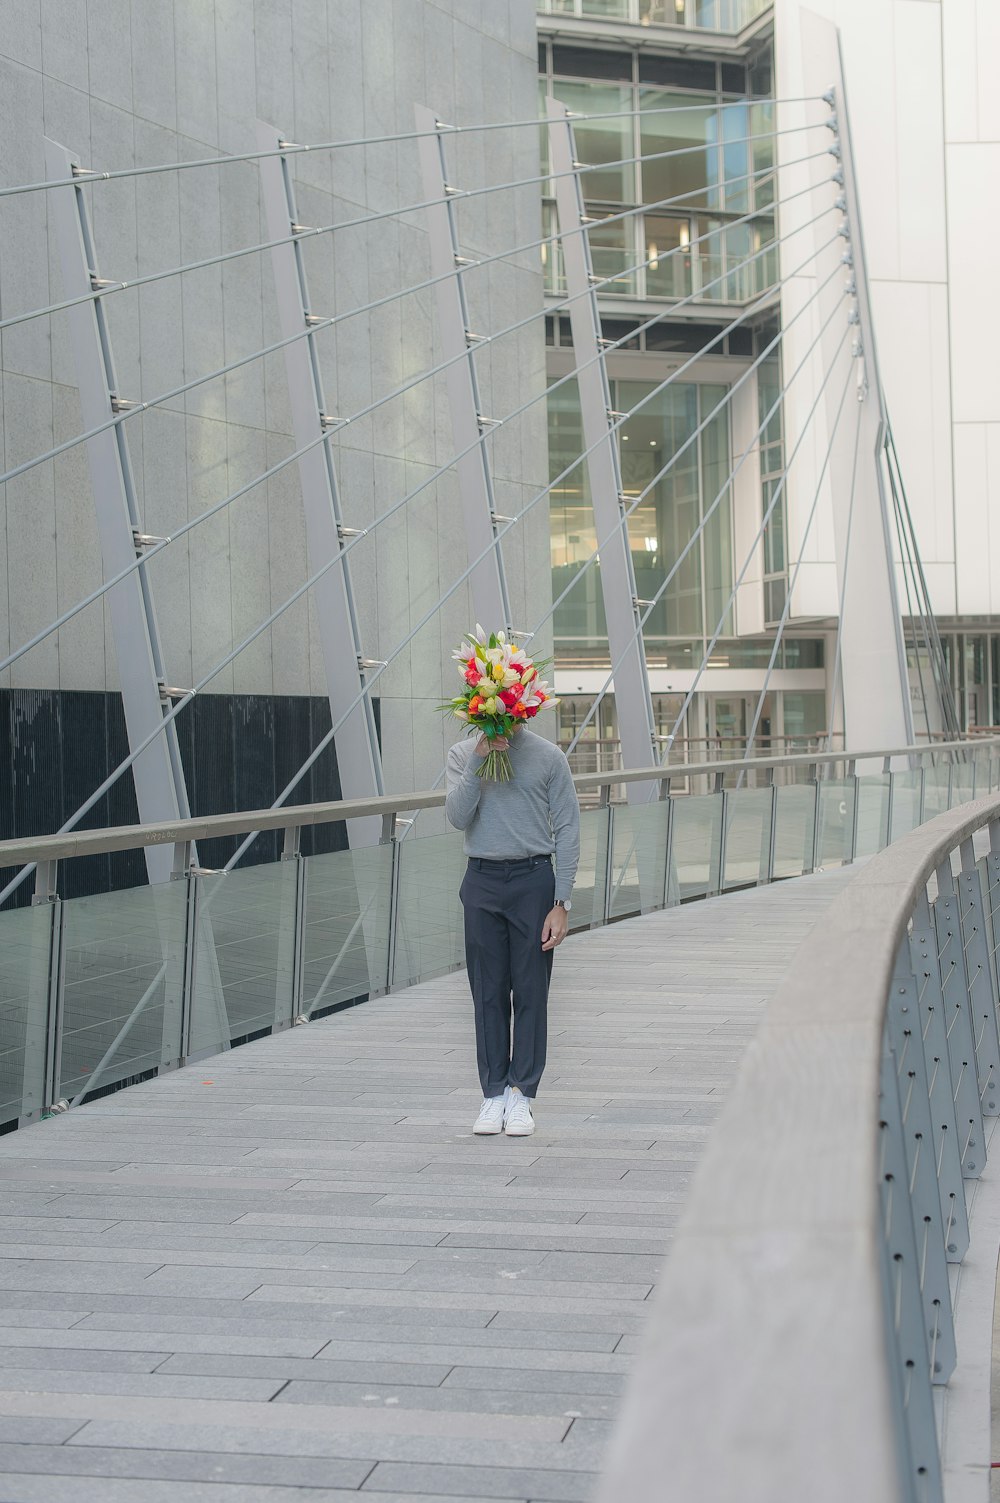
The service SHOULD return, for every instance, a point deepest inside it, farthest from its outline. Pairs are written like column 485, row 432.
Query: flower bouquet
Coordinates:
column 502, row 691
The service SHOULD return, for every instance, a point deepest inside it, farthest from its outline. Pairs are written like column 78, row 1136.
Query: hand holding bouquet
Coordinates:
column 502, row 691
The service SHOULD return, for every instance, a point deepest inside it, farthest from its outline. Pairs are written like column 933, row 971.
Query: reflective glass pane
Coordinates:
column 345, row 945
column 602, row 141
column 905, row 802
column 246, row 953
column 613, row 256
column 873, row 814
column 591, row 874
column 836, row 822
column 124, row 965
column 937, row 783
column 640, row 853
column 668, row 240
column 961, row 783
column 694, row 846
column 793, row 833
column 430, row 936
column 676, row 124
column 25, row 938
column 748, row 836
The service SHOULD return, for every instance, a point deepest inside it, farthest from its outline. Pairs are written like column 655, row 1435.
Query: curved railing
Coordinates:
column 99, row 991
column 805, row 1313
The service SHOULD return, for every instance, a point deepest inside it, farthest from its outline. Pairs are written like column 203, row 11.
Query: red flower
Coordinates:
column 511, row 696
column 472, row 675
column 520, row 711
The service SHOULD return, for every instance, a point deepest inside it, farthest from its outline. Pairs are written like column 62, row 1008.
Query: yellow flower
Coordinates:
column 498, row 672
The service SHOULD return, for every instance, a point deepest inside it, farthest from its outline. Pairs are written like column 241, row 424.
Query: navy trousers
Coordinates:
column 506, row 904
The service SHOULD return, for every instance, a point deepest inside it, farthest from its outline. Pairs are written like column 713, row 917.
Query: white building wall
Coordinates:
column 925, row 118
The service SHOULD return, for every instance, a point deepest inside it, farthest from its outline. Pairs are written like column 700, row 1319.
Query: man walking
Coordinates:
column 516, row 909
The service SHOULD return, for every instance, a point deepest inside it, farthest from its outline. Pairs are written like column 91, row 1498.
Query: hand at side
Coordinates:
column 555, row 928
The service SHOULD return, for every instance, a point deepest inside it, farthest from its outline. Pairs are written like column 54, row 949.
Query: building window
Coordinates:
column 662, row 527
column 703, row 159
column 773, row 484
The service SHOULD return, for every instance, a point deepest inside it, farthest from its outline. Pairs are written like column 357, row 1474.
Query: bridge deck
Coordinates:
column 292, row 1272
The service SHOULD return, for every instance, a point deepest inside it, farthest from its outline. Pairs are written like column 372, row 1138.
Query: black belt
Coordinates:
column 516, row 863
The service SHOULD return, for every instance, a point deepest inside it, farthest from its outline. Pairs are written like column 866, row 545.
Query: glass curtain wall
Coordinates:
column 711, row 15
column 679, row 481
column 721, row 169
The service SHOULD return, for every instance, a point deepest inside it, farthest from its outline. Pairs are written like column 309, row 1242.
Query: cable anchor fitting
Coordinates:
column 351, row 532
column 142, row 540
column 471, row 338
column 327, row 420
column 834, row 150
column 838, row 177
column 312, row 319
column 371, row 662
column 832, row 123
column 496, row 518
column 169, row 692
column 487, row 422
column 301, row 229
column 844, row 230
column 123, row 404
column 829, row 97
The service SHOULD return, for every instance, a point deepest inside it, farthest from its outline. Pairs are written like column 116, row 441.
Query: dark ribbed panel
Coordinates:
column 238, row 752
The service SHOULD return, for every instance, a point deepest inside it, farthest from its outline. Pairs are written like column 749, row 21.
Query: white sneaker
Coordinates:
column 518, row 1121
column 491, row 1115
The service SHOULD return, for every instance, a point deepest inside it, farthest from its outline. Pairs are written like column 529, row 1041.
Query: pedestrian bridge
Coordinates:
column 289, row 1270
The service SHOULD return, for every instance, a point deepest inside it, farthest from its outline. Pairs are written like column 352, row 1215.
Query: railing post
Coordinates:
column 852, row 776
column 389, row 839
column 723, row 833
column 814, row 852
column 668, row 853
column 291, row 936
column 772, row 836
column 609, row 872
column 979, row 978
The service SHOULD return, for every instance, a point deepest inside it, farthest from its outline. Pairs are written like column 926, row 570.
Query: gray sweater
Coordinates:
column 535, row 814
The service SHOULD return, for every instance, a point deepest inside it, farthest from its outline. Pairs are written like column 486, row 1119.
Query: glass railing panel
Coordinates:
column 245, row 954
column 873, row 814
column 748, row 836
column 429, row 923
column 694, row 846
column 836, row 822
column 592, row 873
column 25, row 943
column 639, row 857
column 793, row 829
column 937, row 786
column 906, row 786
column 962, row 781
column 124, row 973
column 345, row 943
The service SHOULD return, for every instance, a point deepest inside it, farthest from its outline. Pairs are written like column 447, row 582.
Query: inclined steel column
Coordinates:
column 469, row 423
column 876, row 692
column 359, row 762
column 159, row 779
column 633, row 703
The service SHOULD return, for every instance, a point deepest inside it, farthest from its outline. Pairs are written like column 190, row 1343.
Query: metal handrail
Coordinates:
column 48, row 848
column 766, row 1372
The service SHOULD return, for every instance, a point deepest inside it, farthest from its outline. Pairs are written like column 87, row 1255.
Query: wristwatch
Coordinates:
column 564, row 903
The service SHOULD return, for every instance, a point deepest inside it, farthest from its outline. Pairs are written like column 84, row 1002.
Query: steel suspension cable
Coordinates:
column 92, row 175
column 223, row 258
column 637, row 501
column 292, row 148
column 150, row 552
column 195, row 382
column 674, row 375
column 787, row 608
column 760, row 533
column 184, row 700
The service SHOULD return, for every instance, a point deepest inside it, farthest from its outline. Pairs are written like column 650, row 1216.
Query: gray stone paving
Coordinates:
column 291, row 1272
